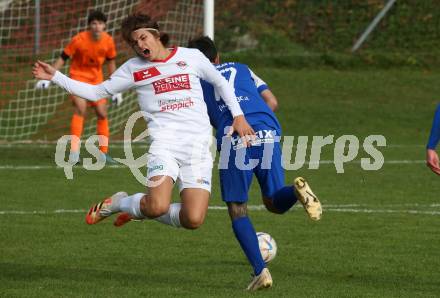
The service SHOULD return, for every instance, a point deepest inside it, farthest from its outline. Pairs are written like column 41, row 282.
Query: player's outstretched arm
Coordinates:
column 44, row 84
column 44, row 71
column 434, row 136
column 242, row 128
column 116, row 98
column 239, row 124
column 270, row 99
column 432, row 161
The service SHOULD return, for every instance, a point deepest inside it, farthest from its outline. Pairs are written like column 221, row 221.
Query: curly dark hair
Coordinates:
column 138, row 21
column 96, row 15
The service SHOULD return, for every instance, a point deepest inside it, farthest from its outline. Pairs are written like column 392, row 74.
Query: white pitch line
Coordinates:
column 48, row 167
column 326, row 208
column 382, row 211
column 405, row 161
column 430, row 205
column 39, row 212
column 120, row 144
column 419, row 161
column 52, row 144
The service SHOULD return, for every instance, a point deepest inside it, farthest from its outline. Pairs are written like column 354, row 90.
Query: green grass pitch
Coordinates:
column 379, row 235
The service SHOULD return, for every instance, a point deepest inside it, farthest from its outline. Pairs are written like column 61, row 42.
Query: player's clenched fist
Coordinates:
column 43, row 71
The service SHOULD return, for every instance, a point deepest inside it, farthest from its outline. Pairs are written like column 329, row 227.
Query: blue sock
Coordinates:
column 284, row 199
column 245, row 233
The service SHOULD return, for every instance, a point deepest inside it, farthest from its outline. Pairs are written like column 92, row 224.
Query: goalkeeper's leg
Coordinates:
column 76, row 126
column 102, row 129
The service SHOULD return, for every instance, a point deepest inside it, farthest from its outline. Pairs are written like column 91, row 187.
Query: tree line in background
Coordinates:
column 325, row 30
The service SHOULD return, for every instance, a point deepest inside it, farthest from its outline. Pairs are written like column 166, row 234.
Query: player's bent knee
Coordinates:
column 191, row 225
column 193, row 222
column 153, row 208
column 237, row 210
column 101, row 114
column 270, row 207
column 154, row 213
column 81, row 112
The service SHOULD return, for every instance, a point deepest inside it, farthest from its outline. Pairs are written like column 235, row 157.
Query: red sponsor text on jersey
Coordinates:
column 175, row 106
column 176, row 82
column 145, row 74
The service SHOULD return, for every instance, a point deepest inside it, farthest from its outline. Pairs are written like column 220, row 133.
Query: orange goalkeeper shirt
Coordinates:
column 88, row 56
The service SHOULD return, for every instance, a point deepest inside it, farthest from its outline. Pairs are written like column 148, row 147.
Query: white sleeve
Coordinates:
column 118, row 82
column 83, row 90
column 259, row 83
column 209, row 73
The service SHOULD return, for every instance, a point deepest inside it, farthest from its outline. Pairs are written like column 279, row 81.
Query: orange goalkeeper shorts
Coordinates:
column 99, row 102
column 93, row 82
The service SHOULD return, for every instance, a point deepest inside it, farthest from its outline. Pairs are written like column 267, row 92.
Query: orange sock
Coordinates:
column 76, row 128
column 102, row 129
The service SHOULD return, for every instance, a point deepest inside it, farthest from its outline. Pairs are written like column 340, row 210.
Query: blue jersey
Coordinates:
column 247, row 87
column 434, row 137
column 235, row 181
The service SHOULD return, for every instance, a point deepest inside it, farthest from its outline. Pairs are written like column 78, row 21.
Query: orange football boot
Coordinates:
column 104, row 209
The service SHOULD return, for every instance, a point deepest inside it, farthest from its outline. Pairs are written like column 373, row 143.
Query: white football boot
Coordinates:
column 307, row 198
column 261, row 281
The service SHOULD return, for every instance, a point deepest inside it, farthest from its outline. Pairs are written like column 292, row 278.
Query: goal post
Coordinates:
column 30, row 114
column 208, row 18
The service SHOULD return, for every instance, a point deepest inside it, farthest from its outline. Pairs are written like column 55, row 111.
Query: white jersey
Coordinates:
column 169, row 91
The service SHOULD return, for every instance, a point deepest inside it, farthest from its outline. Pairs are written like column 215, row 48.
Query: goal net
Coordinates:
column 29, row 32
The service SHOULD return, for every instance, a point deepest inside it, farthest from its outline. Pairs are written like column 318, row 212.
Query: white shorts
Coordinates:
column 186, row 168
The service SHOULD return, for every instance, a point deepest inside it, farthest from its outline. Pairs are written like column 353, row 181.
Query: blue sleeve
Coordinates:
column 262, row 88
column 435, row 130
column 211, row 103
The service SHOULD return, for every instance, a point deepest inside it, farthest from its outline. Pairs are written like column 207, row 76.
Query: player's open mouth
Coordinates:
column 146, row 52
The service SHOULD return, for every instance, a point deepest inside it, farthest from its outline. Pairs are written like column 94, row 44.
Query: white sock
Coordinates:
column 172, row 216
column 132, row 205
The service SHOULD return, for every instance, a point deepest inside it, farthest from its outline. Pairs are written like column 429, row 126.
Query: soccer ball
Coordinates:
column 268, row 246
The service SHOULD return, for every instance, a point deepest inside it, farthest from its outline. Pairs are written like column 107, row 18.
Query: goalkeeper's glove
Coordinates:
column 42, row 84
column 117, row 99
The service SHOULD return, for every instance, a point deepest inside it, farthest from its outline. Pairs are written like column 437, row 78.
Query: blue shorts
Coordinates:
column 262, row 159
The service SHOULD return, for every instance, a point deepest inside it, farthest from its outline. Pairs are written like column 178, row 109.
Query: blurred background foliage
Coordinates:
column 322, row 32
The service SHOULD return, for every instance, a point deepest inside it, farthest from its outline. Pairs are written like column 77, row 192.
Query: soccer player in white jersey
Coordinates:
column 167, row 82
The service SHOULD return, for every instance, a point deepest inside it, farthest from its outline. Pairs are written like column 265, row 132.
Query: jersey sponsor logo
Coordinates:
column 175, row 104
column 182, row 64
column 145, row 74
column 155, row 168
column 261, row 137
column 176, row 82
column 240, row 98
column 203, row 181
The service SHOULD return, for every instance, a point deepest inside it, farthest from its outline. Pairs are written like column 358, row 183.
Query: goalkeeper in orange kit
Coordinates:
column 88, row 51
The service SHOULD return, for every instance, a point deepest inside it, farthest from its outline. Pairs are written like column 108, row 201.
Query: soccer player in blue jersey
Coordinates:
column 257, row 103
column 432, row 159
